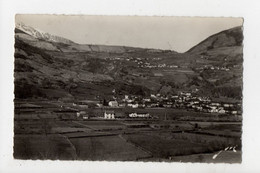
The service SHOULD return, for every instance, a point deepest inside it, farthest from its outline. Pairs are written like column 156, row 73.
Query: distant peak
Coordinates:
column 41, row 34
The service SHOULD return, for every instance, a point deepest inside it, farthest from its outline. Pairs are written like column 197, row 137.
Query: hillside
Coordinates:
column 56, row 68
column 51, row 42
column 229, row 38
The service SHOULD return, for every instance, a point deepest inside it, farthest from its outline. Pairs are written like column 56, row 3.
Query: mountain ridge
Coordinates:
column 234, row 30
column 57, row 70
column 41, row 35
column 80, row 47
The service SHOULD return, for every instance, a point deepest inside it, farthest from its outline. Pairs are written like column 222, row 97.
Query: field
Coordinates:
column 103, row 125
column 109, row 148
column 43, row 147
column 164, row 148
column 39, row 133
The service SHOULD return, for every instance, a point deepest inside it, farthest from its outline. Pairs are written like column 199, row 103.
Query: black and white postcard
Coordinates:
column 121, row 88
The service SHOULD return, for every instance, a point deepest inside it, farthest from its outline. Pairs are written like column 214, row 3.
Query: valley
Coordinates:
column 117, row 103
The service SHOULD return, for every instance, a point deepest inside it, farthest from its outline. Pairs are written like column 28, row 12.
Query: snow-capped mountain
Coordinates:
column 42, row 35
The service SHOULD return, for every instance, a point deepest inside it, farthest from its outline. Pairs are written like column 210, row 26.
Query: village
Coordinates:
column 155, row 64
column 184, row 100
column 138, row 105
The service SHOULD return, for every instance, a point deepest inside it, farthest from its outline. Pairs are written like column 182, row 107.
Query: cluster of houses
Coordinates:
column 129, row 58
column 149, row 65
column 184, row 100
column 110, row 114
column 142, row 62
column 211, row 67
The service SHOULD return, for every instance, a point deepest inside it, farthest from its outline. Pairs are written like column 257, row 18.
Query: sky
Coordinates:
column 168, row 33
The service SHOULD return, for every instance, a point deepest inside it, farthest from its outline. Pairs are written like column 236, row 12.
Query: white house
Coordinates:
column 226, row 105
column 109, row 115
column 135, row 105
column 153, row 96
column 113, row 104
column 147, row 99
column 139, row 115
column 215, row 104
column 221, row 111
column 234, row 112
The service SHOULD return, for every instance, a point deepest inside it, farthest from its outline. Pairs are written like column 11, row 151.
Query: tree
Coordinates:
column 105, row 103
column 71, row 85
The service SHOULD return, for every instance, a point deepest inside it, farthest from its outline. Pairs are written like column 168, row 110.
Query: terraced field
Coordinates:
column 110, row 148
column 40, row 134
column 164, row 148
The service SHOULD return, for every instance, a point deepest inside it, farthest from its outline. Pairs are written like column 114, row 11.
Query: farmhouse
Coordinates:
column 109, row 115
column 153, row 96
column 139, row 115
column 215, row 104
column 221, row 111
column 147, row 99
column 135, row 105
column 113, row 104
column 226, row 105
column 85, row 117
column 234, row 112
column 99, row 105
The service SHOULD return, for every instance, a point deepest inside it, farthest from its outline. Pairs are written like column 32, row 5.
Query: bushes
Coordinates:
column 22, row 67
column 23, row 90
